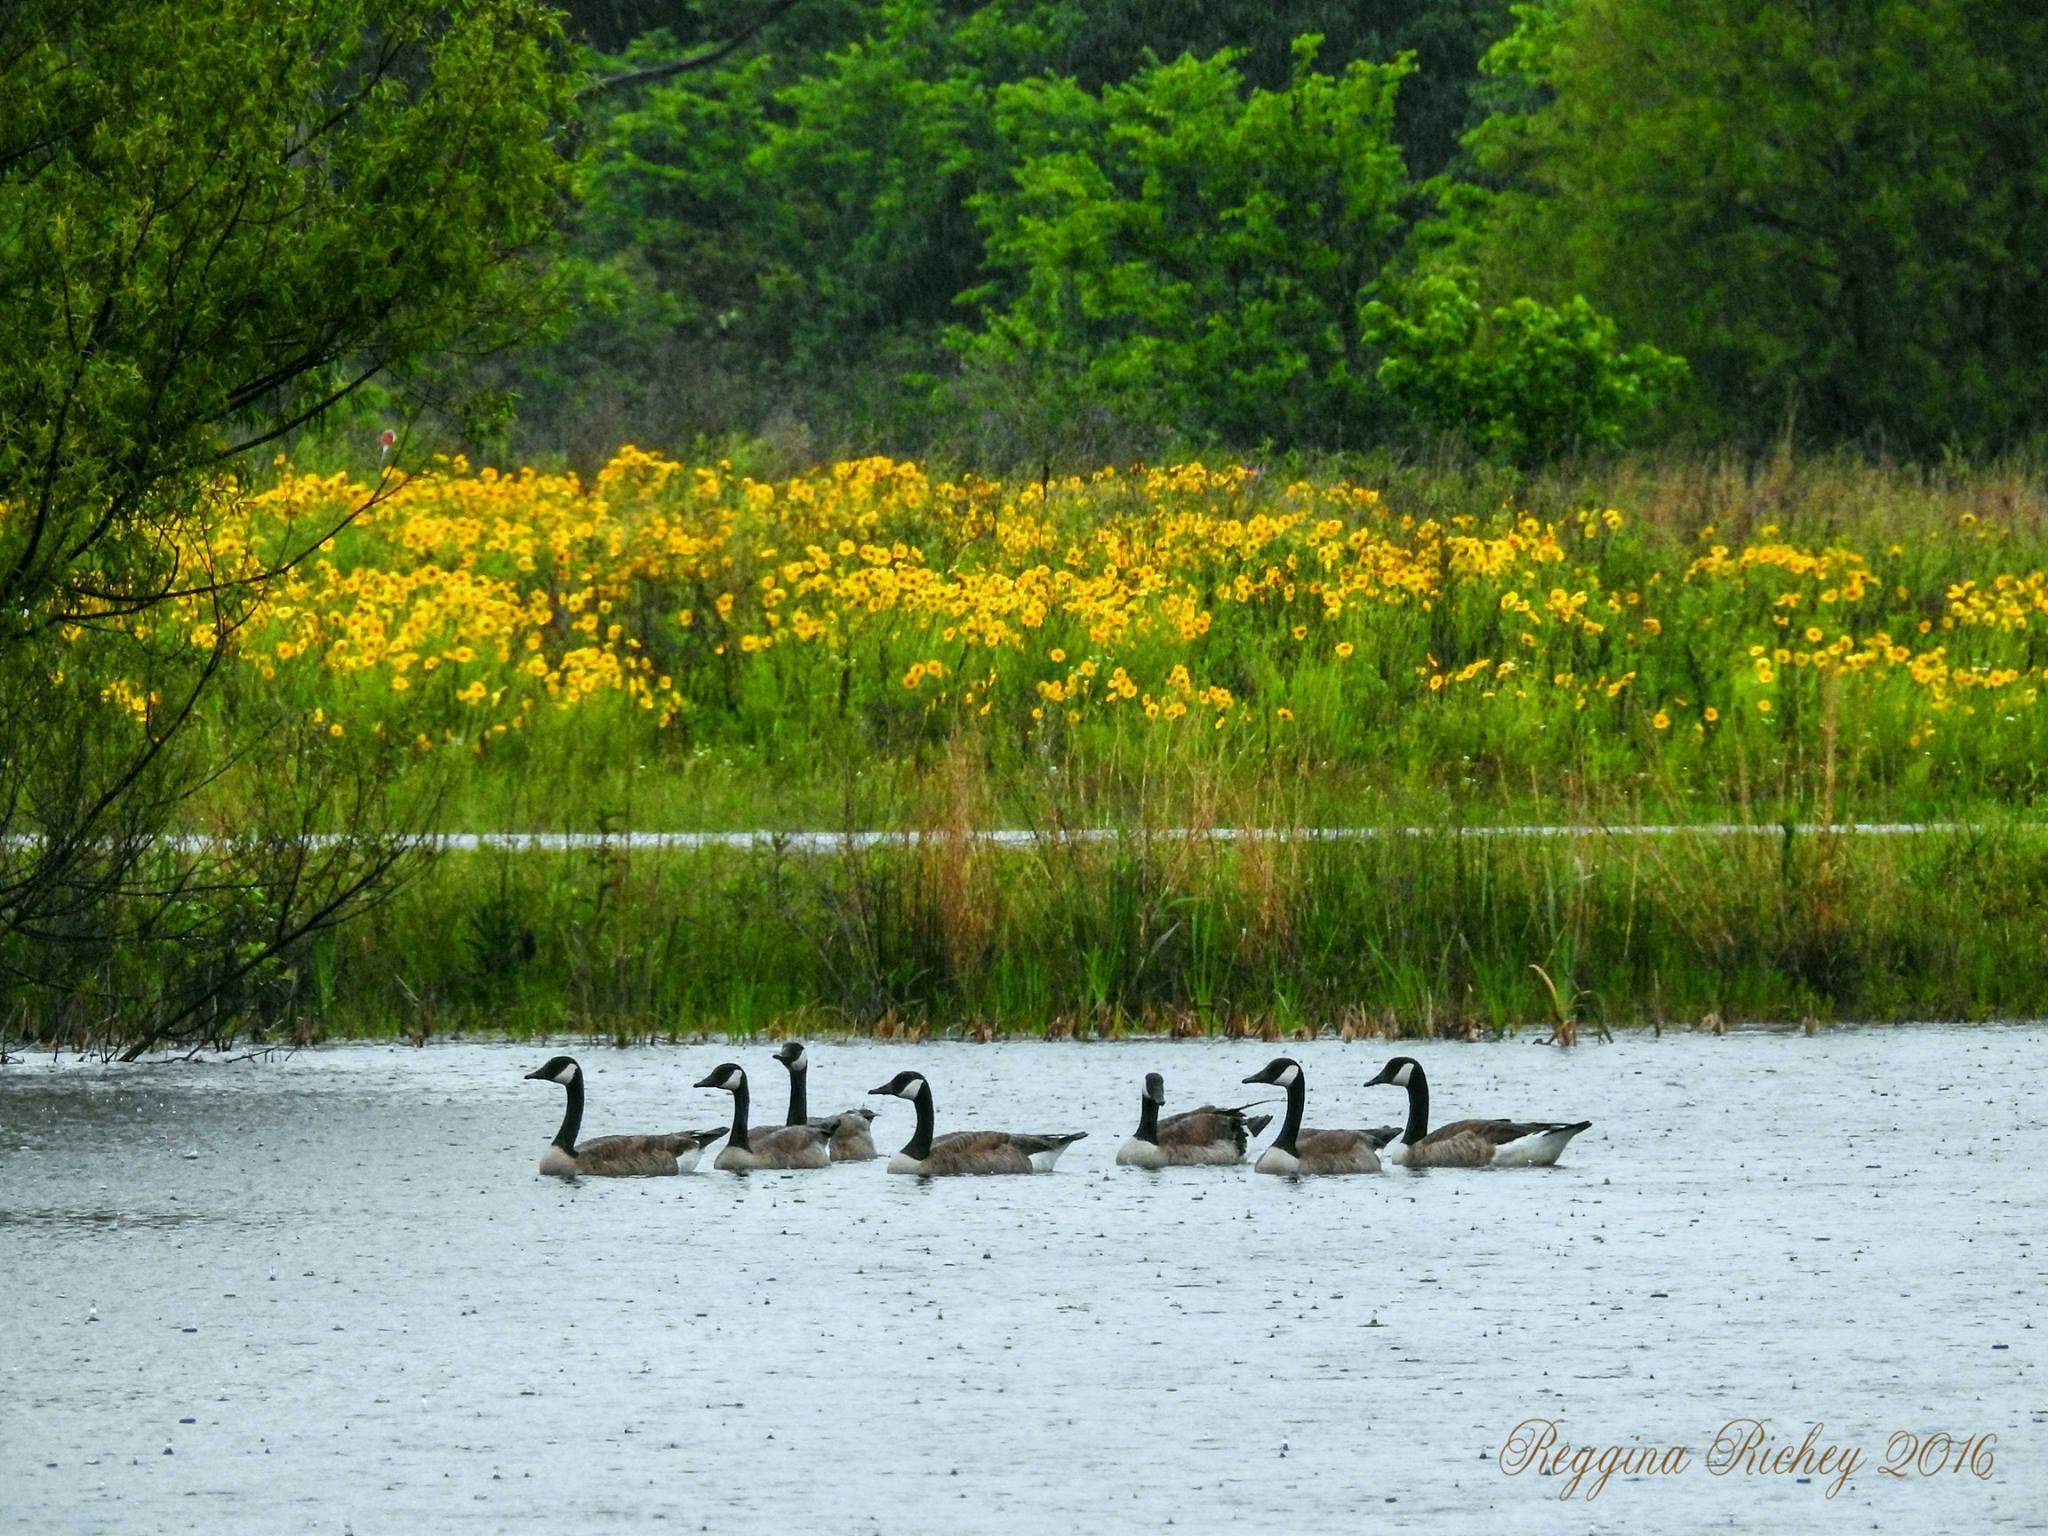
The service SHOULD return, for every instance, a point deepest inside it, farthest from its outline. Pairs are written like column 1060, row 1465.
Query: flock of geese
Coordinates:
column 1208, row 1135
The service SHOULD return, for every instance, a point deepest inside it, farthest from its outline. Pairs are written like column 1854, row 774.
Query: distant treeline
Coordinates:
column 1043, row 229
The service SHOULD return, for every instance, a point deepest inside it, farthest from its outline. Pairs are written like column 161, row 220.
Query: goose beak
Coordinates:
column 536, row 1076
column 1256, row 1077
column 1374, row 1082
column 885, row 1088
column 708, row 1082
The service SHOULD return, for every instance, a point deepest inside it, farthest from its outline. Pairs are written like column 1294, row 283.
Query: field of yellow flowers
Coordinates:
column 872, row 610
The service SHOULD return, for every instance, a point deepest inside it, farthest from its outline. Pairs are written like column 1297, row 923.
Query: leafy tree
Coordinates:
column 217, row 223
column 648, row 32
column 768, row 237
column 1524, row 381
column 1109, row 41
column 1188, row 256
column 787, row 234
column 1834, row 210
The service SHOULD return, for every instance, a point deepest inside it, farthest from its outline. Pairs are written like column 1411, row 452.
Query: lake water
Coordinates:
column 330, row 1294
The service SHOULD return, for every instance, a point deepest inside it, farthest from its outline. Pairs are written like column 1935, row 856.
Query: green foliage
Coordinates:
column 876, row 162
column 784, row 239
column 219, row 220
column 218, row 223
column 1182, row 254
column 1110, row 41
column 1524, row 381
column 774, row 236
column 1834, row 212
column 1163, row 932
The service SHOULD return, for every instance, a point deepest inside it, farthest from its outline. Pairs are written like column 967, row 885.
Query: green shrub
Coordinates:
column 1523, row 381
column 1182, row 254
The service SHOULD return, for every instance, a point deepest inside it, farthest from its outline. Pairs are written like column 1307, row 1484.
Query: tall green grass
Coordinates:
column 1182, row 934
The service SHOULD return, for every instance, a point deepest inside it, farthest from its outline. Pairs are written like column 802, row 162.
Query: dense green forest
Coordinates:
column 1017, row 231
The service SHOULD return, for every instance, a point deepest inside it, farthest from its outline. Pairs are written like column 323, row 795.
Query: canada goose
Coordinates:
column 784, row 1146
column 612, row 1156
column 968, row 1151
column 1205, row 1135
column 1298, row 1151
column 1469, row 1143
column 851, row 1139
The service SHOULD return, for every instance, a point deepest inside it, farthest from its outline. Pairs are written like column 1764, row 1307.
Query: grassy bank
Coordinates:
column 879, row 645
column 1435, row 934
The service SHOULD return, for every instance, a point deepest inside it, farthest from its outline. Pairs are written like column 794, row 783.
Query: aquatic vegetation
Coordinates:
column 1160, row 933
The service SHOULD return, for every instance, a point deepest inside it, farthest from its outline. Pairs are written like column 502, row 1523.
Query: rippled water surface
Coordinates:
column 331, row 1294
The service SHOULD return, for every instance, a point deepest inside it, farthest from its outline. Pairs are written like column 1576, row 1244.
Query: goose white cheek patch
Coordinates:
column 1289, row 1078
column 566, row 1074
column 1401, row 1077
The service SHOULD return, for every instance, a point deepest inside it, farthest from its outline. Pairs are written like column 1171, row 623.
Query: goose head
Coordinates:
column 727, row 1075
column 791, row 1055
column 1283, row 1071
column 1400, row 1072
column 1155, row 1088
column 559, row 1069
column 904, row 1085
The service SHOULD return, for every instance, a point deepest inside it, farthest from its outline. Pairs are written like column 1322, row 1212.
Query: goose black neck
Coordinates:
column 572, row 1115
column 1148, row 1120
column 920, row 1144
column 1418, row 1107
column 1297, row 1099
column 799, row 1096
column 738, row 1135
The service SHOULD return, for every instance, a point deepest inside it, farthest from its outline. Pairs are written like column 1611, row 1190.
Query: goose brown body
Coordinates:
column 786, row 1146
column 1317, row 1152
column 630, row 1156
column 1210, row 1129
column 851, row 1134
column 1481, row 1143
column 961, row 1152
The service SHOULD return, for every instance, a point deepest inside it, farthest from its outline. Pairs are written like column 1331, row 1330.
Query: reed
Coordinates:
column 1167, row 931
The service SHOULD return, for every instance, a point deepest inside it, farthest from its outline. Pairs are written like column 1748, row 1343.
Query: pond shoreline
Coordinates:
column 18, row 1055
